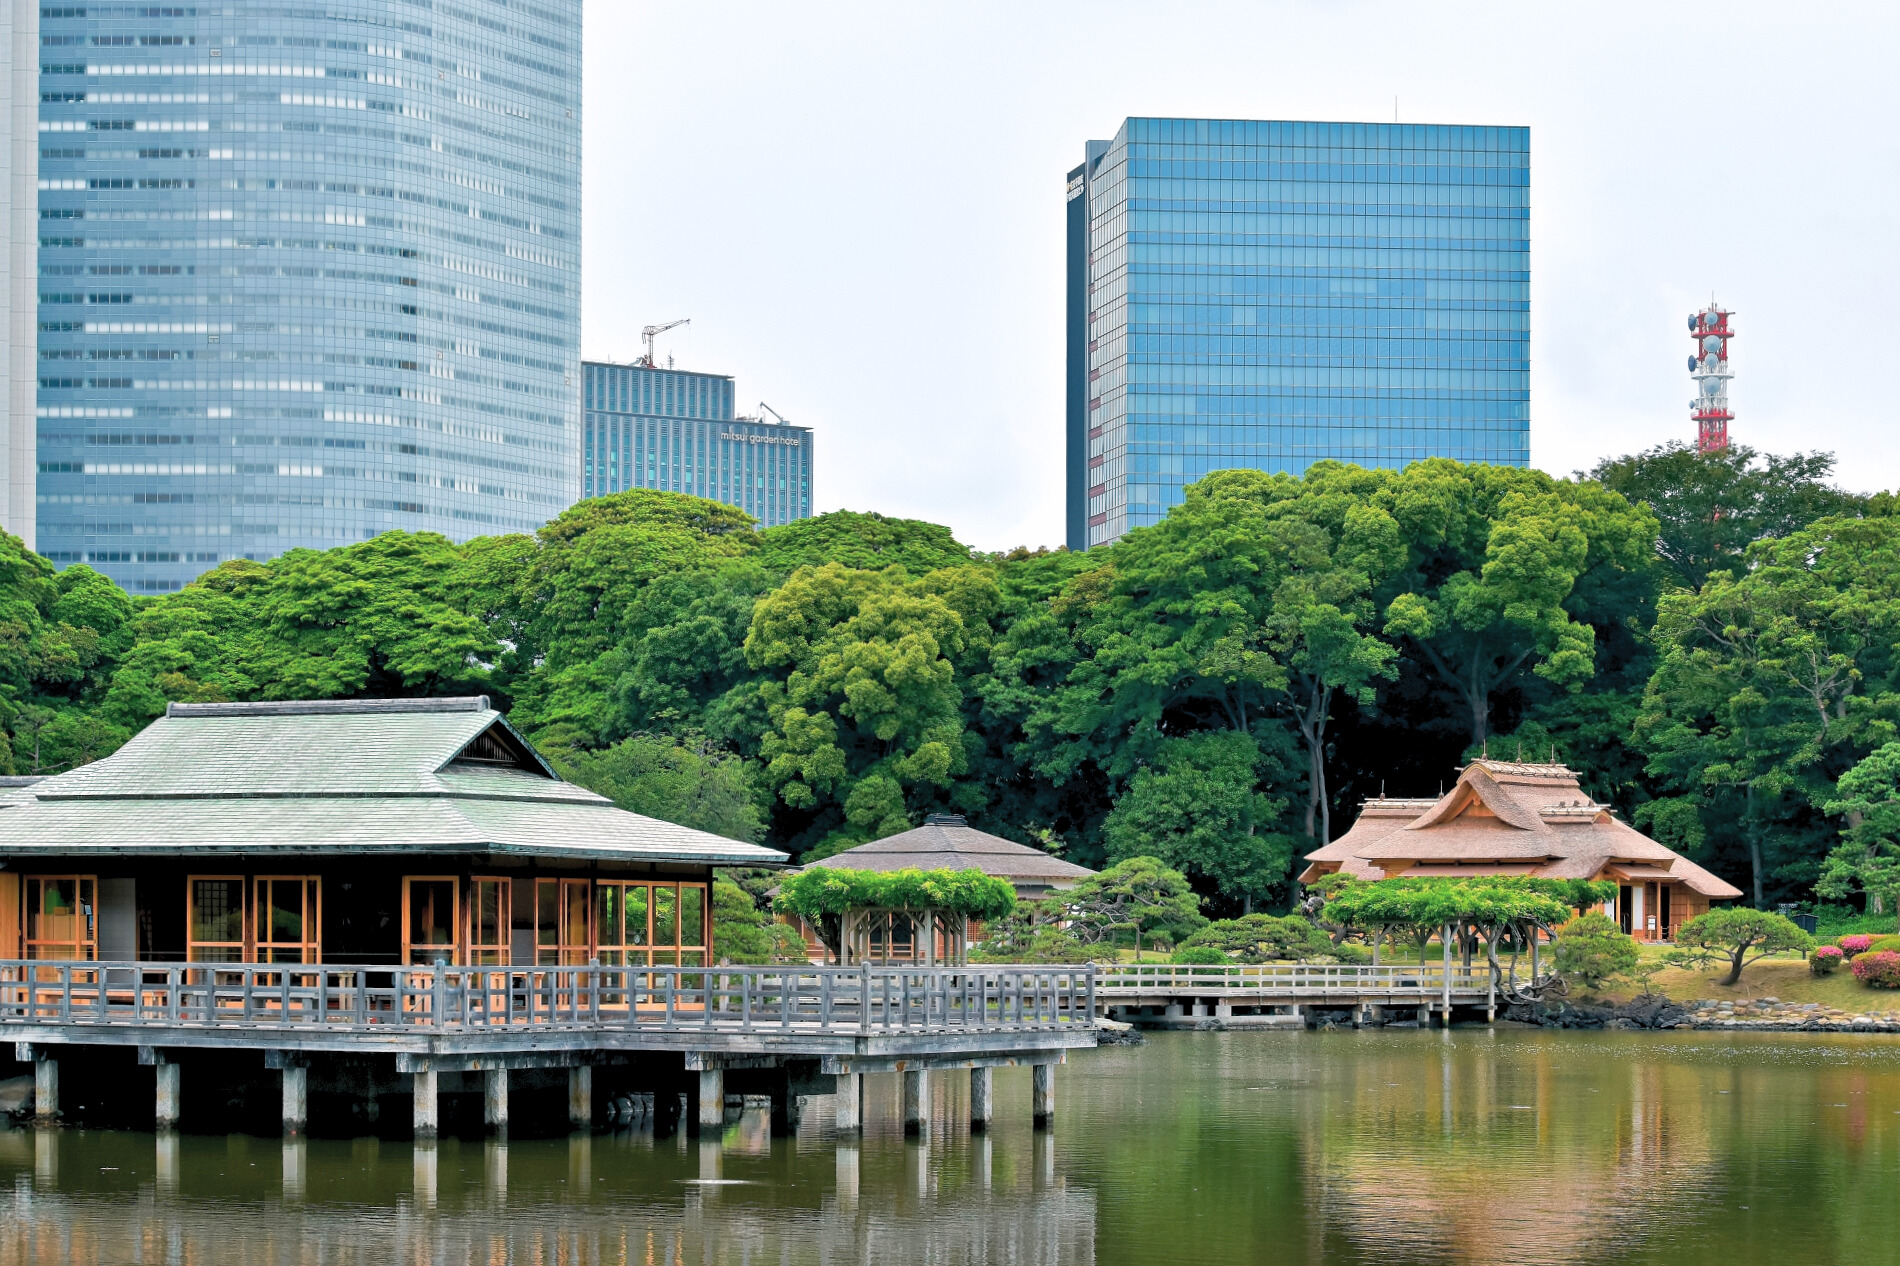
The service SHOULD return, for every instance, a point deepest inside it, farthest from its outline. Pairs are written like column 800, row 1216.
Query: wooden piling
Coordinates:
column 45, row 1086
column 1043, row 1093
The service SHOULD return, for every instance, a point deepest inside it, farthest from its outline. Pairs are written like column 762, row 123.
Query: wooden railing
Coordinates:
column 1269, row 979
column 472, row 999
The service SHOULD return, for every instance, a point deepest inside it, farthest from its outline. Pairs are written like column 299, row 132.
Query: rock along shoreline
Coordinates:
column 1755, row 1014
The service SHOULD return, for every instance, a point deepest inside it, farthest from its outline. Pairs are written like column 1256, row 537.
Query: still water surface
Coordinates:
column 1473, row 1146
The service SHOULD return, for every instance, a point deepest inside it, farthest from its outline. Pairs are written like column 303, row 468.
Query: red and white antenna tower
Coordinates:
column 1709, row 367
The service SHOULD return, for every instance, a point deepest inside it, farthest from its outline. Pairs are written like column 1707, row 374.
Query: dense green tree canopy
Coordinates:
column 1215, row 693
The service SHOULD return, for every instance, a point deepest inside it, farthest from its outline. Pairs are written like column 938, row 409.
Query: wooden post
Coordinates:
column 45, row 1086
column 495, row 1101
column 1043, row 1093
column 1447, row 980
column 580, row 1098
column 712, row 1099
column 982, row 1084
column 426, row 1118
column 917, row 1102
column 296, row 1098
column 849, row 1117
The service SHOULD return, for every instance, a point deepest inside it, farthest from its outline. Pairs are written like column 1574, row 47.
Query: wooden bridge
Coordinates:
column 819, row 1028
column 1269, row 993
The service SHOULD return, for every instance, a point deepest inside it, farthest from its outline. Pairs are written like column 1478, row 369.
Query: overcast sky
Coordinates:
column 861, row 208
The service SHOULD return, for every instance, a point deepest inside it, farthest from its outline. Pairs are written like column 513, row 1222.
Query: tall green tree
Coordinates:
column 1710, row 507
column 670, row 779
column 1772, row 684
column 1867, row 860
column 1501, row 561
column 1198, row 809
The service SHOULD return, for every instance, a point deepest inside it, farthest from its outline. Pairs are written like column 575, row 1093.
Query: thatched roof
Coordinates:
column 1506, row 817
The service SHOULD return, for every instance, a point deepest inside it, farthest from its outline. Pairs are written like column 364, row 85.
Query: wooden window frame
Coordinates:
column 87, row 945
column 454, row 947
column 243, row 944
column 489, row 953
column 561, row 952
column 310, row 948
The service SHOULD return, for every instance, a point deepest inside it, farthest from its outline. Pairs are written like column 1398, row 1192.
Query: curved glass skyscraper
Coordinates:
column 306, row 275
column 1269, row 294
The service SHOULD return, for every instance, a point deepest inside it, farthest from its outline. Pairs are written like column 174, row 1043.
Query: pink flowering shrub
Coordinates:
column 1826, row 960
column 1879, row 970
column 1856, row 944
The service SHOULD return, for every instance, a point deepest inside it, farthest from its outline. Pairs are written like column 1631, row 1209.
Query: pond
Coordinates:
column 1474, row 1145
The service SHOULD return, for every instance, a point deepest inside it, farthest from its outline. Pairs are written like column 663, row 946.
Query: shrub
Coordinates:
column 1263, row 938
column 1826, row 960
column 1887, row 944
column 1878, row 970
column 1857, row 943
column 1591, row 948
column 1200, row 955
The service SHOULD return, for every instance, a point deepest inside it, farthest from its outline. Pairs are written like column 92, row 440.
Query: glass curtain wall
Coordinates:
column 677, row 432
column 1267, row 295
column 306, row 275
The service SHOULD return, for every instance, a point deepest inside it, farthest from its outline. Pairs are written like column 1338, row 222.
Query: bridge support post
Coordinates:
column 166, row 1102
column 1043, row 1094
column 917, row 1103
column 849, row 1099
column 296, row 1098
column 712, row 1099
column 45, row 1086
column 982, row 1085
column 495, row 1101
column 580, row 1097
column 1223, row 1010
column 426, row 1118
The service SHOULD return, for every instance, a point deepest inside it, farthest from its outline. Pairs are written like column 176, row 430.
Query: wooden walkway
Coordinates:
column 1217, row 990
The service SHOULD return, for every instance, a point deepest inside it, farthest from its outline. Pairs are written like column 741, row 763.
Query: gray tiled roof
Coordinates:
column 335, row 779
column 953, row 846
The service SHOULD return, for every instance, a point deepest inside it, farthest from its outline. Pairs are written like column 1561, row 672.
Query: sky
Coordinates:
column 860, row 207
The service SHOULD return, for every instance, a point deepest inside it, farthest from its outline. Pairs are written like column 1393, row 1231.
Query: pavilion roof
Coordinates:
column 1505, row 817
column 946, row 842
column 339, row 777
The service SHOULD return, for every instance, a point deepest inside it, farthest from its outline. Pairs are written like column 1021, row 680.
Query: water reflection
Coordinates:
column 1471, row 1146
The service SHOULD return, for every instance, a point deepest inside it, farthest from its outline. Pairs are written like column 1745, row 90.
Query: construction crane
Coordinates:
column 652, row 332
column 765, row 408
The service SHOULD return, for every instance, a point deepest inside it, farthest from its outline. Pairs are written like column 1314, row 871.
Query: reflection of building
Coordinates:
column 1266, row 295
column 945, row 842
column 307, row 274
column 678, row 431
column 1506, row 818
column 375, row 831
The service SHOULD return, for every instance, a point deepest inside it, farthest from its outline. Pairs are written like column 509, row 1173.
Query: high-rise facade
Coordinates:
column 1269, row 294
column 664, row 428
column 19, row 214
column 306, row 275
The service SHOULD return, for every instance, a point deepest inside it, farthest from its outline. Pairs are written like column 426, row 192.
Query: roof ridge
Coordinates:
column 329, row 707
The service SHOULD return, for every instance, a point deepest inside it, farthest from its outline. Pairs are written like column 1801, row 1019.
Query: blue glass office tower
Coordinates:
column 1265, row 295
column 678, row 431
column 306, row 275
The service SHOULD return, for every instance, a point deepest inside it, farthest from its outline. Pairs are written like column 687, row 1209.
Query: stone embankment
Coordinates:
column 1766, row 1014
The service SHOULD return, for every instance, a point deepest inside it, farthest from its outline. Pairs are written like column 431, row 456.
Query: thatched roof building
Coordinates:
column 1511, row 818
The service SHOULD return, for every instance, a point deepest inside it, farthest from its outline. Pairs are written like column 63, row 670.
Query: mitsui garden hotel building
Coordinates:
column 679, row 432
column 1269, row 294
column 306, row 275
